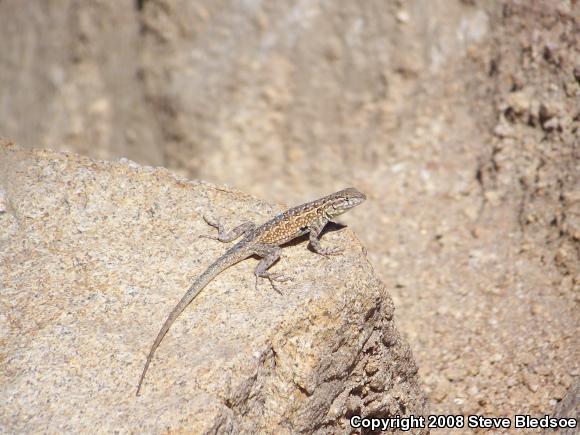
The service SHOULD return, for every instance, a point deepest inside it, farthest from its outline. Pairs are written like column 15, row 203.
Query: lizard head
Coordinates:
column 342, row 201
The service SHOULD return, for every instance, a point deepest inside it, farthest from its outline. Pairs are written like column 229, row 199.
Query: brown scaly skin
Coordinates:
column 265, row 242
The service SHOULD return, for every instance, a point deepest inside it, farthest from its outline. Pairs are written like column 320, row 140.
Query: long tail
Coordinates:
column 211, row 272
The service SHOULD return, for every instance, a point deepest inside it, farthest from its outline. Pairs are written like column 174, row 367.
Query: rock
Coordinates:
column 531, row 381
column 549, row 113
column 559, row 392
column 403, row 16
column 519, row 102
column 104, row 250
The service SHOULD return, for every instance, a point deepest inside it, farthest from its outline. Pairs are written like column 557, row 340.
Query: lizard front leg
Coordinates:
column 314, row 239
column 270, row 254
column 228, row 236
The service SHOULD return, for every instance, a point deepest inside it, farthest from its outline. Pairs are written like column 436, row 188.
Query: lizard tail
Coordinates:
column 211, row 272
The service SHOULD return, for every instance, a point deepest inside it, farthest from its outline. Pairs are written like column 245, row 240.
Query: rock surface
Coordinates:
column 93, row 256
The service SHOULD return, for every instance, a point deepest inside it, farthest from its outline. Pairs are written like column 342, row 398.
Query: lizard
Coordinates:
column 265, row 241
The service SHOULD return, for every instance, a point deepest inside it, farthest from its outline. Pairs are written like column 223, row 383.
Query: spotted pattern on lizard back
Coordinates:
column 293, row 226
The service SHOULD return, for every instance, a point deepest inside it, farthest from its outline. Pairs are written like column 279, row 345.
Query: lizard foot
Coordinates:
column 273, row 278
column 202, row 236
column 210, row 221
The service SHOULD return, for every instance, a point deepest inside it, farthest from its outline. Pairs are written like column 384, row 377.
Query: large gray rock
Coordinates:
column 69, row 79
column 260, row 95
column 93, row 256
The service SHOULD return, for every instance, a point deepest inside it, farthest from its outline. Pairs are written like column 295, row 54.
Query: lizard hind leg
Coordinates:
column 269, row 254
column 228, row 236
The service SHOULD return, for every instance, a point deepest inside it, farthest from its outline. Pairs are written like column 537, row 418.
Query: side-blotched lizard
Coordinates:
column 265, row 241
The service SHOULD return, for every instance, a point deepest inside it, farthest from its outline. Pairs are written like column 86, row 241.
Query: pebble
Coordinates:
column 371, row 367
column 559, row 392
column 454, row 374
column 504, row 130
column 403, row 16
column 519, row 102
column 531, row 381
